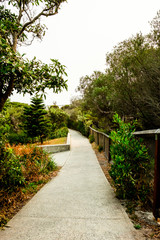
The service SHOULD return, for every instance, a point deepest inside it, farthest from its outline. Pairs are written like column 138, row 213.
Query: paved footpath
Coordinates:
column 78, row 204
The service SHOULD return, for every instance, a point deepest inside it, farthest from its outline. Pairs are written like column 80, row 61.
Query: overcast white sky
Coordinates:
column 81, row 34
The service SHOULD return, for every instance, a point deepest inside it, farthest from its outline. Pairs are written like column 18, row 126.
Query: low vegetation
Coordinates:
column 23, row 169
column 91, row 138
column 131, row 165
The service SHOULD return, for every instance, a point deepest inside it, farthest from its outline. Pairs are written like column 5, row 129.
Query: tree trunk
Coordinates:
column 2, row 102
column 4, row 97
column 41, row 140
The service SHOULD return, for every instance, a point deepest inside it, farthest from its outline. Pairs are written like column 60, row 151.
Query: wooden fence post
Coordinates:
column 97, row 138
column 156, row 197
column 104, row 149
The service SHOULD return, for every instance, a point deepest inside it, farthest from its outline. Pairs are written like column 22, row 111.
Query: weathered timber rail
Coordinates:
column 152, row 141
column 103, row 140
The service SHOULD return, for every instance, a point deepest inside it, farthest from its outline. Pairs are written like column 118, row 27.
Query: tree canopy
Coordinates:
column 26, row 76
column 24, row 22
column 130, row 85
column 16, row 72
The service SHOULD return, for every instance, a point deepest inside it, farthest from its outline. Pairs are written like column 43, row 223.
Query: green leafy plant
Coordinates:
column 51, row 165
column 11, row 174
column 34, row 161
column 131, row 162
column 100, row 148
column 91, row 138
column 62, row 132
column 17, row 138
column 58, row 118
column 82, row 127
column 137, row 226
column 20, row 23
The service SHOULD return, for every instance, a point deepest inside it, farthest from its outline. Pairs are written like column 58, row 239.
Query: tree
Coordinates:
column 58, row 117
column 131, row 84
column 97, row 94
column 25, row 21
column 155, row 30
column 35, row 123
column 15, row 111
column 26, row 76
column 134, row 64
column 18, row 74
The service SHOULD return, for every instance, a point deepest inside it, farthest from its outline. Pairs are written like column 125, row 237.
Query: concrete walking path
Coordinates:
column 78, row 204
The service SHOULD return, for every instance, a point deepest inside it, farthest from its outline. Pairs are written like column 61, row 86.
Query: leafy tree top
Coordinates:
column 18, row 74
column 25, row 21
column 26, row 76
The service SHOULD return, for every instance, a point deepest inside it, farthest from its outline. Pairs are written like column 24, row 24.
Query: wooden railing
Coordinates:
column 103, row 140
column 152, row 141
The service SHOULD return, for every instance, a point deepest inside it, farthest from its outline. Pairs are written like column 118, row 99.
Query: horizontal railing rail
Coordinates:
column 103, row 140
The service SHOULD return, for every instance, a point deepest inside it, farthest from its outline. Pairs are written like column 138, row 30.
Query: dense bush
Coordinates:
column 79, row 126
column 34, row 161
column 17, row 138
column 91, row 138
column 21, row 164
column 131, row 162
column 82, row 128
column 23, row 171
column 62, row 132
column 57, row 117
column 11, row 174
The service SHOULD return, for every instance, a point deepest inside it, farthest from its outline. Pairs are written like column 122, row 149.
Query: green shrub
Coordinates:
column 100, row 148
column 137, row 226
column 131, row 162
column 62, row 132
column 79, row 126
column 83, row 128
column 91, row 138
column 51, row 165
column 34, row 161
column 16, row 138
column 10, row 169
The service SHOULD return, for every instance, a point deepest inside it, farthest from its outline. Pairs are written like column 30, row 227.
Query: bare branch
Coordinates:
column 28, row 15
column 42, row 13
